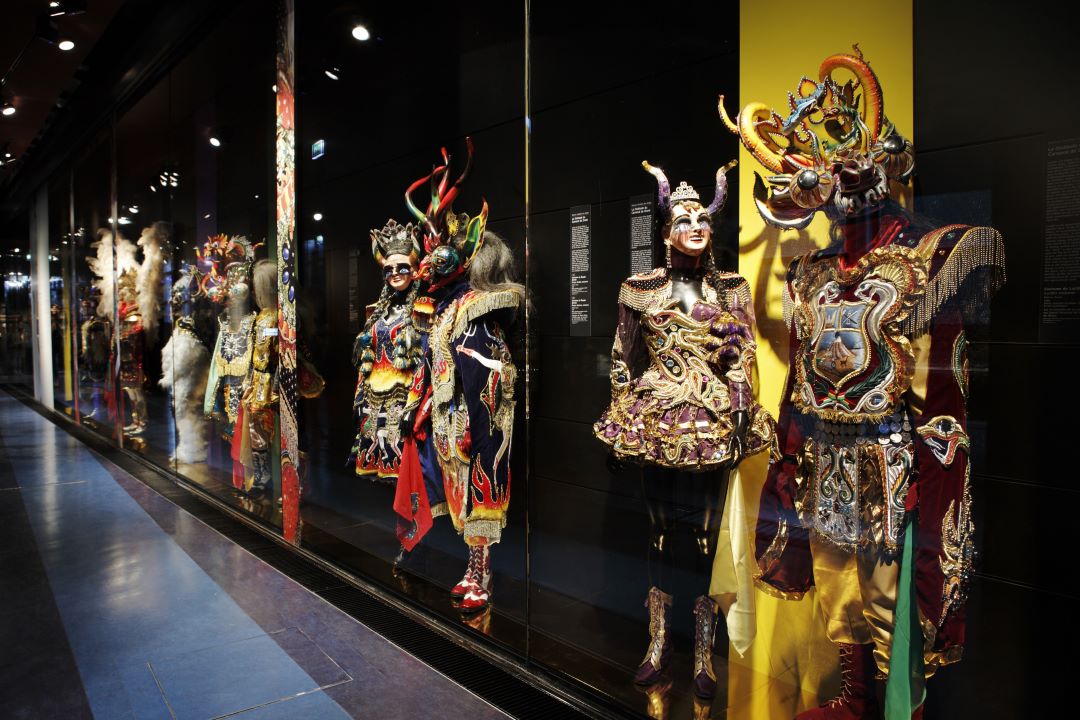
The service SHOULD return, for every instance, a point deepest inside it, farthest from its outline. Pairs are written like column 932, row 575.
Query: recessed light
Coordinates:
column 215, row 142
column 8, row 109
column 317, row 217
column 361, row 33
column 333, row 73
column 66, row 45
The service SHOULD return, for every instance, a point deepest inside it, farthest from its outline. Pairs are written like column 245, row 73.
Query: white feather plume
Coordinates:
column 148, row 280
column 101, row 264
column 185, row 368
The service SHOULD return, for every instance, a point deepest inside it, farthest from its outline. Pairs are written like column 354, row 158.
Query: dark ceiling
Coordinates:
column 44, row 75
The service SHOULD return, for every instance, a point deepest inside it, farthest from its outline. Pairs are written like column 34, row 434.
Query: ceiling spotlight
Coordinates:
column 361, row 33
column 215, row 142
column 206, row 216
column 8, row 109
column 274, row 88
column 134, row 209
column 317, row 217
column 153, row 188
column 66, row 44
column 333, row 73
column 124, row 221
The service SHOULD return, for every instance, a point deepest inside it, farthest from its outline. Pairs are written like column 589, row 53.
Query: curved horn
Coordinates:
column 760, row 147
column 662, row 181
column 873, row 110
column 408, row 195
column 721, row 187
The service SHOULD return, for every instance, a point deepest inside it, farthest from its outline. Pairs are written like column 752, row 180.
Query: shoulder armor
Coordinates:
column 638, row 291
column 477, row 303
column 952, row 253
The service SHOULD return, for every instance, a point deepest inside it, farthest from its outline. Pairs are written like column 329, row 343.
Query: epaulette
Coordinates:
column 423, row 313
column 478, row 303
column 952, row 253
column 638, row 291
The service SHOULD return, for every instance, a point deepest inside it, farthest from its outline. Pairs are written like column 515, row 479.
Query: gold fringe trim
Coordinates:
column 978, row 247
column 439, row 509
column 491, row 530
column 642, row 300
column 788, row 305
column 480, row 305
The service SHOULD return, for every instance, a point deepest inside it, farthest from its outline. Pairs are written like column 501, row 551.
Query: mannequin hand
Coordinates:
column 740, row 421
column 614, row 464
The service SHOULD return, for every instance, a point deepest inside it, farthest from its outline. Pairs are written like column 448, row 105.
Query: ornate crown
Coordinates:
column 394, row 239
column 684, row 192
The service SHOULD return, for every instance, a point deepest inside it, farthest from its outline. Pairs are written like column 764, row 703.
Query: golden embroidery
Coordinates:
column 957, row 551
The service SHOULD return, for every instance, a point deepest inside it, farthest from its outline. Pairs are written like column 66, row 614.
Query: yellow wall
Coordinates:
column 791, row 666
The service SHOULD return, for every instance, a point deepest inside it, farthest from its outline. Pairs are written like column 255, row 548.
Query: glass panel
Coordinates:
column 372, row 115
column 17, row 365
column 64, row 310
column 214, row 175
column 94, row 285
column 608, row 91
column 144, row 203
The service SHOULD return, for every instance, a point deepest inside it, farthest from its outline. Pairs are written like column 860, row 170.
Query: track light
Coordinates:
column 333, row 73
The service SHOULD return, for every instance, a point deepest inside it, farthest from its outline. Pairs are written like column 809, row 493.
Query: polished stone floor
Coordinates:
column 114, row 603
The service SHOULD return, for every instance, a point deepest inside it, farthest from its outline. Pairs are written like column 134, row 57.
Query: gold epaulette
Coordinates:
column 953, row 253
column 478, row 303
column 423, row 313
column 639, row 291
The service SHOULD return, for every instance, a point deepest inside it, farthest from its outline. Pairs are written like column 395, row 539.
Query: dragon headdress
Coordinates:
column 834, row 151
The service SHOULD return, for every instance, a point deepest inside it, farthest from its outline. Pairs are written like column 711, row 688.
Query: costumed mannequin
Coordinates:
column 257, row 419
column 388, row 354
column 682, row 406
column 871, row 501
column 115, row 264
column 185, row 362
column 392, row 378
column 231, row 359
column 472, row 378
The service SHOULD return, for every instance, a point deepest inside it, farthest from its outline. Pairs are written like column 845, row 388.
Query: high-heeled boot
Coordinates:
column 858, row 697
column 704, row 634
column 658, row 656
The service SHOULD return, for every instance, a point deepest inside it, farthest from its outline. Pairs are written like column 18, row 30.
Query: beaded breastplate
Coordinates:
column 855, row 361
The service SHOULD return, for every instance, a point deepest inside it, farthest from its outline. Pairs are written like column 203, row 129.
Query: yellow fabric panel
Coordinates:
column 791, row 665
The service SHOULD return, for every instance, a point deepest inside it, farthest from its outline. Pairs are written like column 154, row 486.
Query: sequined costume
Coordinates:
column 472, row 412
column 676, row 376
column 230, row 261
column 391, row 378
column 871, row 501
column 229, row 365
column 471, row 409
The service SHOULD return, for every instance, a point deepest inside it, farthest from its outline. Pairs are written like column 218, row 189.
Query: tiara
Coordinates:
column 684, row 192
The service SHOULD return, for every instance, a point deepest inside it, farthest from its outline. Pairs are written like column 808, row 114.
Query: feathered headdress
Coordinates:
column 224, row 261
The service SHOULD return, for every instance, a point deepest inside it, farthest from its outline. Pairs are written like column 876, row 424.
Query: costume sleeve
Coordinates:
column 737, row 349
column 627, row 352
column 782, row 543
column 487, row 375
column 941, row 493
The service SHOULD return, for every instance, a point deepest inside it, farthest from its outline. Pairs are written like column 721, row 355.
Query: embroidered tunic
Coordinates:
column 676, row 377
column 873, row 419
column 386, row 395
column 229, row 368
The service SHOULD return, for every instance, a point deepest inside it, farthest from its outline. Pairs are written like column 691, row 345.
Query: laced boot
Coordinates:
column 857, row 699
column 658, row 656
column 704, row 633
column 478, row 595
column 459, row 590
